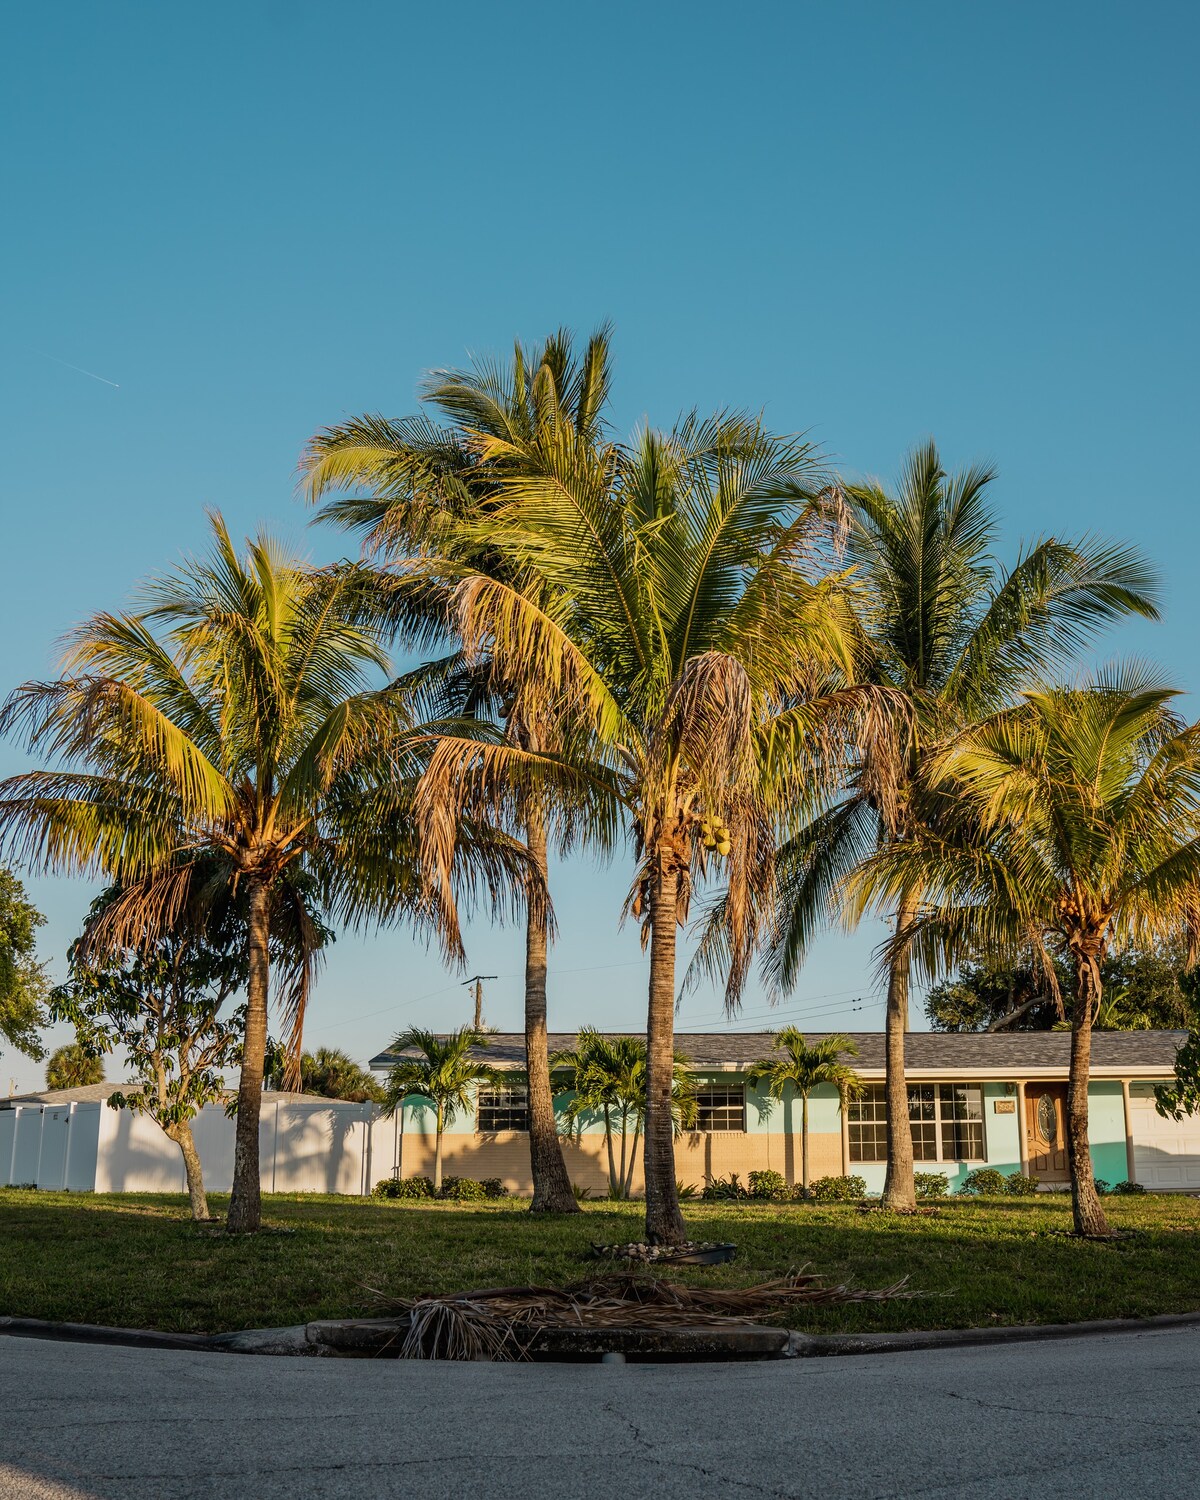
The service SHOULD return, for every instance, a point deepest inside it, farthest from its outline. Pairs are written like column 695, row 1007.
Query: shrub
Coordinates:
column 403, row 1187
column 985, row 1181
column 1021, row 1186
column 1102, row 1187
column 493, row 1187
column 769, row 1185
column 463, row 1190
column 686, row 1190
column 582, row 1194
column 724, row 1189
column 931, row 1184
column 1129, row 1187
column 838, row 1189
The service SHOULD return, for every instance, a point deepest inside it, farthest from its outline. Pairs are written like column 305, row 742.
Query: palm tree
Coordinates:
column 230, row 725
column 953, row 639
column 667, row 631
column 422, row 481
column 70, row 1067
column 606, row 1076
column 806, row 1068
column 1075, row 829
column 333, row 1074
column 445, row 1073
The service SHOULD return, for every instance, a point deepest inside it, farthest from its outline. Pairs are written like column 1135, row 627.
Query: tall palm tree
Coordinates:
column 1075, row 828
column 422, row 480
column 229, row 725
column 953, row 638
column 805, row 1068
column 444, row 1072
column 606, row 1076
column 665, row 627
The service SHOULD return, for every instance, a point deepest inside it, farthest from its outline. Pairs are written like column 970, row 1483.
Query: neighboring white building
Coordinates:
column 70, row 1139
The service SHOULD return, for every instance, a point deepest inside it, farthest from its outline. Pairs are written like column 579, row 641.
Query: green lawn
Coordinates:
column 136, row 1260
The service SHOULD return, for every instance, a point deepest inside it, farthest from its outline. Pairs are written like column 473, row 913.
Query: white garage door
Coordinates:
column 1167, row 1153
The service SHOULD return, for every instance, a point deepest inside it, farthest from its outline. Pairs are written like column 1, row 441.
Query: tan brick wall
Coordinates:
column 697, row 1157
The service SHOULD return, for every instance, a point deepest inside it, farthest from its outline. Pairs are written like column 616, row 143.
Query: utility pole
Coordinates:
column 477, row 981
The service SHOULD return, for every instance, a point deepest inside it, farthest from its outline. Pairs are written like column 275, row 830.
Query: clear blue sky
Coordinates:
column 874, row 222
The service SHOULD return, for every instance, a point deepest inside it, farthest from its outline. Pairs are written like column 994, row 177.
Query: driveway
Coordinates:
column 1096, row 1417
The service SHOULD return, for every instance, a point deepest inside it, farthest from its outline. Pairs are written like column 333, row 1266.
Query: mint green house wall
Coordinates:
column 1106, row 1132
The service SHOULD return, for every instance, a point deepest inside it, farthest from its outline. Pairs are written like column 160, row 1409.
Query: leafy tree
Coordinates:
column 1143, row 990
column 231, row 722
column 804, row 1068
column 164, row 1003
column 22, row 979
column 445, row 1073
column 952, row 639
column 1076, row 831
column 72, row 1067
column 665, row 626
column 607, row 1076
column 422, row 481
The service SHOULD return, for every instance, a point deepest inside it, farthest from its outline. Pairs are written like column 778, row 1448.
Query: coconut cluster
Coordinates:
column 714, row 835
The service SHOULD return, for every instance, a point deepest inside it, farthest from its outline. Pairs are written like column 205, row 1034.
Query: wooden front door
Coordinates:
column 1046, row 1131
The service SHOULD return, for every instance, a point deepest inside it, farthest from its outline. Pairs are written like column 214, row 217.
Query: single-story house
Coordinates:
column 975, row 1099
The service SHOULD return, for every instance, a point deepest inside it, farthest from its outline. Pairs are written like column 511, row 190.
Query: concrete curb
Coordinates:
column 303, row 1339
column 817, row 1345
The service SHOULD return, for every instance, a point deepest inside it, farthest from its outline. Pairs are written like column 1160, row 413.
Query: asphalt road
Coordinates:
column 1096, row 1417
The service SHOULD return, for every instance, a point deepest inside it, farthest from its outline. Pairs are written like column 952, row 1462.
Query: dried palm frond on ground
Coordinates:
column 499, row 1322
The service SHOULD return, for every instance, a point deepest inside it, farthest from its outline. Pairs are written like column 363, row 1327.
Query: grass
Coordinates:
column 136, row 1261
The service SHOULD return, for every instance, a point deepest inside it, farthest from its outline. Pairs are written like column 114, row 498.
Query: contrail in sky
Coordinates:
column 90, row 373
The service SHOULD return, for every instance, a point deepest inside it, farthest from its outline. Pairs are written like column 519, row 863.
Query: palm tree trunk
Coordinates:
column 182, row 1135
column 1085, row 1201
column 627, row 1186
column 624, row 1150
column 664, row 1222
column 804, row 1142
column 245, row 1202
column 614, row 1189
column 899, row 1190
column 551, row 1182
column 437, row 1151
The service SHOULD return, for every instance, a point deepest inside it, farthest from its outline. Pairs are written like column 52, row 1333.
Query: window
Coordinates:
column 946, row 1119
column 721, row 1108
column 503, row 1109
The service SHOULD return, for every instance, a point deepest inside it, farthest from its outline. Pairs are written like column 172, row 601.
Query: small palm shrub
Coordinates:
column 987, row 1182
column 581, row 1193
column 403, row 1187
column 463, row 1190
column 686, row 1190
column 493, row 1187
column 769, row 1186
column 1021, row 1186
column 724, row 1189
column 931, row 1184
column 838, row 1189
column 1129, row 1187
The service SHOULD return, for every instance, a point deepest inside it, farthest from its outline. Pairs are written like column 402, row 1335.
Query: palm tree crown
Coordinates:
column 1074, row 826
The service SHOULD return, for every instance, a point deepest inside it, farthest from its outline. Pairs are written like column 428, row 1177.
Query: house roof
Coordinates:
column 1000, row 1054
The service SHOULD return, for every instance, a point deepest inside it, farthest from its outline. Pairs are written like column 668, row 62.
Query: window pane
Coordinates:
column 962, row 1122
column 503, row 1109
column 867, row 1125
column 721, row 1108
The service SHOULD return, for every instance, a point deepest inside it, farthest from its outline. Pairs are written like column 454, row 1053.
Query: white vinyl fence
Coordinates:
column 306, row 1145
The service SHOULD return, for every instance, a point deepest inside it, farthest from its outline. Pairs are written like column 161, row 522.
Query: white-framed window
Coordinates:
column 946, row 1120
column 721, row 1107
column 502, row 1109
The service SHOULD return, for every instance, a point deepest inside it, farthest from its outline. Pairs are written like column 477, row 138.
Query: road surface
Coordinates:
column 1096, row 1417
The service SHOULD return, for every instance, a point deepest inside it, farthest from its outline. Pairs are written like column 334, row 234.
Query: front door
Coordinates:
column 1046, row 1131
